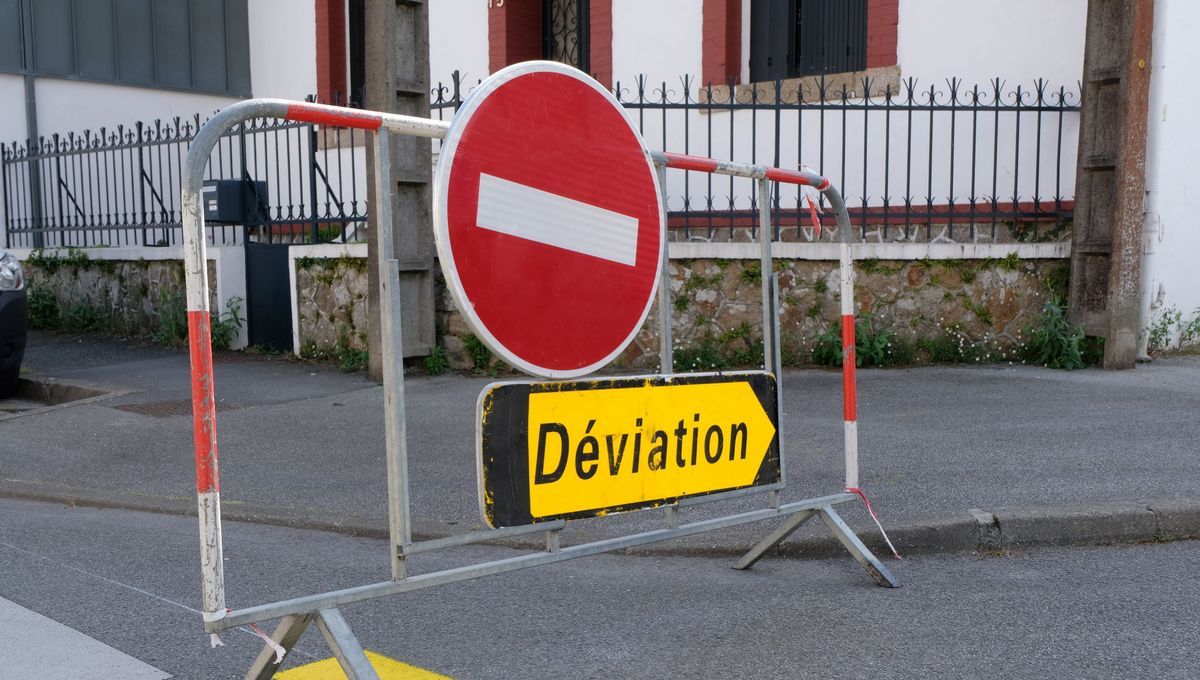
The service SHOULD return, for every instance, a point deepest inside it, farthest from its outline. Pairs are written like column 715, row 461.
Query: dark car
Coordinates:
column 14, row 322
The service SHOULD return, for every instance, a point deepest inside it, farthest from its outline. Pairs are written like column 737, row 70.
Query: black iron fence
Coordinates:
column 936, row 163
column 121, row 187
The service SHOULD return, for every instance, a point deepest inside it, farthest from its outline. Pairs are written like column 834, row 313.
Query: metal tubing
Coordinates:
column 726, row 495
column 395, row 422
column 300, row 605
column 200, row 348
column 773, row 539
column 286, row 634
column 765, row 269
column 851, row 542
column 196, row 278
column 346, row 649
column 481, row 536
column 666, row 357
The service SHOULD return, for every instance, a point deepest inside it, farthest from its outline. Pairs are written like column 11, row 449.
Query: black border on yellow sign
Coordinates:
column 503, row 441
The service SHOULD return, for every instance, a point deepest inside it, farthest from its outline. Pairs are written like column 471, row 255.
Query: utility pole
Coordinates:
column 396, row 46
column 1110, row 185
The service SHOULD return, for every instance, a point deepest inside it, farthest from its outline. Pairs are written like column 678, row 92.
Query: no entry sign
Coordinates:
column 566, row 450
column 548, row 219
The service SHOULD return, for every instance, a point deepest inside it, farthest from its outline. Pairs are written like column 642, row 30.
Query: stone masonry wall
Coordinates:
column 718, row 309
column 331, row 299
column 986, row 304
column 126, row 296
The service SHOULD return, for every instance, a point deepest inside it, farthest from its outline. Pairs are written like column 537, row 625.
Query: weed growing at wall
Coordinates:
column 43, row 309
column 1168, row 330
column 480, row 355
column 224, row 328
column 872, row 346
column 1054, row 342
column 436, row 363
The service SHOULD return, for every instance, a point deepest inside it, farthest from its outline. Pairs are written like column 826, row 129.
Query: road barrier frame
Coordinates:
column 297, row 614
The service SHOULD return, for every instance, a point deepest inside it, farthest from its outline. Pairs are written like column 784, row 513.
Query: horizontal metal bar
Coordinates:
column 700, row 164
column 481, row 536
column 726, row 495
column 336, row 598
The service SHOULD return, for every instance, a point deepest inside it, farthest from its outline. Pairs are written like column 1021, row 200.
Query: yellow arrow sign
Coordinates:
column 578, row 449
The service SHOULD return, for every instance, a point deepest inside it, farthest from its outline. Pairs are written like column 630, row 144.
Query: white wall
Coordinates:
column 977, row 40
column 73, row 105
column 458, row 39
column 12, row 108
column 1173, row 203
column 282, row 64
column 659, row 39
column 283, row 48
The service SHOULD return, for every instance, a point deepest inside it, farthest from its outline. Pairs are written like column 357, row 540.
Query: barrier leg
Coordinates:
column 852, row 543
column 773, row 539
column 345, row 646
column 286, row 634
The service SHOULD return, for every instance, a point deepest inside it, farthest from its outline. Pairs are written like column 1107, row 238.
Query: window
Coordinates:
column 565, row 32
column 199, row 45
column 792, row 38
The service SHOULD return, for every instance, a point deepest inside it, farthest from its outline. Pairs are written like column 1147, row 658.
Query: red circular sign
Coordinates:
column 549, row 220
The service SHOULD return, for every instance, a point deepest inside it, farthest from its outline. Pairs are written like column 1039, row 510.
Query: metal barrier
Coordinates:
column 322, row 609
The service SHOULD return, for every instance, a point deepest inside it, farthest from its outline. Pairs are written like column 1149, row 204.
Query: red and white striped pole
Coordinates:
column 204, row 420
column 849, row 377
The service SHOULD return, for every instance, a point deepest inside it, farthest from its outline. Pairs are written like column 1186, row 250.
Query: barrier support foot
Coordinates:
column 345, row 646
column 854, row 545
column 286, row 634
column 773, row 539
column 882, row 576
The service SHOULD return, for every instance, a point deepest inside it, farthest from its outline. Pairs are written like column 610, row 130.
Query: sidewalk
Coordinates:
column 953, row 458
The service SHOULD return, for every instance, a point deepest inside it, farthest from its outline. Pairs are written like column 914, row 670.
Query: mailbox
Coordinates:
column 231, row 201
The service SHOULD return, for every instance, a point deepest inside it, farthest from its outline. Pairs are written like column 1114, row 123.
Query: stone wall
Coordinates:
column 331, row 304
column 985, row 305
column 956, row 309
column 953, row 308
column 123, row 296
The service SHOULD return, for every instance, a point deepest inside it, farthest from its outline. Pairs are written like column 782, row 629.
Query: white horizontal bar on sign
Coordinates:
column 535, row 215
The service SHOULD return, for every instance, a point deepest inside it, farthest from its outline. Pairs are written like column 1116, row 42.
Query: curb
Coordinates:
column 980, row 531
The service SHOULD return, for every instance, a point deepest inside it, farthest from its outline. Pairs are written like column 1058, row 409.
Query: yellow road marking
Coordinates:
column 388, row 669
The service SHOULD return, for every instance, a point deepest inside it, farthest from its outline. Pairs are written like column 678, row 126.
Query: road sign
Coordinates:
column 583, row 449
column 548, row 220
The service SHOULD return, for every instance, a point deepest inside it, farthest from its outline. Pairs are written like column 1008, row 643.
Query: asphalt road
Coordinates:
column 130, row 580
column 304, row 441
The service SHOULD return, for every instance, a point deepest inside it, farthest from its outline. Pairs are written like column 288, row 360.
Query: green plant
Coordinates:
column 480, row 355
column 43, row 309
column 981, row 312
column 78, row 315
column 1092, row 350
column 872, row 346
column 705, row 355
column 680, row 302
column 697, row 281
column 751, row 272
column 223, row 328
column 951, row 346
column 827, row 348
column 351, row 359
column 821, row 287
column 1189, row 333
column 435, row 363
column 1053, row 341
column 172, row 328
column 1161, row 330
